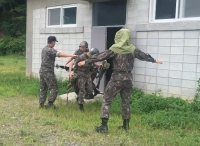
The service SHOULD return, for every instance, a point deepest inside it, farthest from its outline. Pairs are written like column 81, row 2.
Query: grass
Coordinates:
column 155, row 121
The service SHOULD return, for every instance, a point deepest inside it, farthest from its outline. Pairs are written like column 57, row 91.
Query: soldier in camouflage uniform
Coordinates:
column 84, row 76
column 83, row 47
column 47, row 76
column 123, row 55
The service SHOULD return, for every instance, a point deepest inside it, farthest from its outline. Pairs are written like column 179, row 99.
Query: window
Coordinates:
column 61, row 16
column 109, row 13
column 175, row 10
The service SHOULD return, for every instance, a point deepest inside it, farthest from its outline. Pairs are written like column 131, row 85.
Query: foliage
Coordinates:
column 12, row 26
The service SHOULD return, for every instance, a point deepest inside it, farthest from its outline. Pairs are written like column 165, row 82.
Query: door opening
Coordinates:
column 111, row 31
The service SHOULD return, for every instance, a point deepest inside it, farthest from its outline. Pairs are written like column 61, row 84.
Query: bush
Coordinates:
column 11, row 45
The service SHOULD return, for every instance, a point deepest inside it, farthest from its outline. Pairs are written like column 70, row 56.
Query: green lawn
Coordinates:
column 154, row 121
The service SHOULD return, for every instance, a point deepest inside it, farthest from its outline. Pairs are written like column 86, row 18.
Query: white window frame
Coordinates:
column 178, row 14
column 61, row 16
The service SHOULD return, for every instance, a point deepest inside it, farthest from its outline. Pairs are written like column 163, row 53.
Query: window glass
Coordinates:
column 165, row 9
column 109, row 13
column 54, row 16
column 69, row 15
column 191, row 8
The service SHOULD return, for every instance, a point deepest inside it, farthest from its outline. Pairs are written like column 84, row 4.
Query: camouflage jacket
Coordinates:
column 83, row 70
column 48, row 59
column 122, row 64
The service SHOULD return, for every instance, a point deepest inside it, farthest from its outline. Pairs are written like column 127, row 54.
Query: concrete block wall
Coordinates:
column 68, row 38
column 175, row 43
column 179, row 51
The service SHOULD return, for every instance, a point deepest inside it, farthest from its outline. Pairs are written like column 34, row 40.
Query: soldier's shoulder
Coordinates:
column 78, row 52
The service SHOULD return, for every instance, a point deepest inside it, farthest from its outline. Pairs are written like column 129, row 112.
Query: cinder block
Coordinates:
column 142, row 42
column 151, row 72
column 141, row 35
column 189, row 84
column 188, row 92
column 176, row 58
column 163, row 57
column 151, row 65
column 164, row 42
column 190, row 59
column 191, row 42
column 175, row 74
column 72, row 36
column 152, row 49
column 153, row 34
column 151, row 87
column 189, row 75
column 190, row 67
column 150, row 79
column 176, row 66
column 164, row 50
column 175, row 90
column 163, row 88
column 140, row 85
column 152, row 42
column 138, row 63
column 139, row 70
column 87, row 35
column 177, row 42
column 162, row 81
column 191, row 50
column 176, row 50
column 139, row 78
column 163, row 73
column 175, row 82
column 198, row 67
column 164, row 34
column 165, row 65
column 178, row 34
column 191, row 34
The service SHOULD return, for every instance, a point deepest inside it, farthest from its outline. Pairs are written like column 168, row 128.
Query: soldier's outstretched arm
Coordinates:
column 68, row 61
column 145, row 57
column 63, row 54
column 100, row 57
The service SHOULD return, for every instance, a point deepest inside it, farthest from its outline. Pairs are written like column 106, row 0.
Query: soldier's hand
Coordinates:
column 81, row 63
column 74, row 56
column 71, row 75
column 159, row 62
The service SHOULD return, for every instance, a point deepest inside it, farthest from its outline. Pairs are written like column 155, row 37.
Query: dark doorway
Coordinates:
column 111, row 31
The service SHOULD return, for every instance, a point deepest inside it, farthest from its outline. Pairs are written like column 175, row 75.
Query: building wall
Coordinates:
column 68, row 38
column 176, row 44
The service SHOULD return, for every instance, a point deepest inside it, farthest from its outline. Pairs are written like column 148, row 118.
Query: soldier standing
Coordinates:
column 47, row 76
column 84, row 76
column 83, row 47
column 123, row 54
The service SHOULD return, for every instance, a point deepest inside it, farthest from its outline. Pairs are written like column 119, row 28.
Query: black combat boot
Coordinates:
column 125, row 125
column 89, row 96
column 41, row 105
column 104, row 127
column 81, row 107
column 96, row 91
column 50, row 105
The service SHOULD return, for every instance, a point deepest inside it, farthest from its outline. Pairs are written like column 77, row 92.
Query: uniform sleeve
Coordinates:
column 143, row 56
column 101, row 56
column 53, row 53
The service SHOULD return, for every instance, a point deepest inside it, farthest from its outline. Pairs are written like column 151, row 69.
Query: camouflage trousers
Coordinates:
column 48, row 81
column 113, row 87
column 82, row 83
